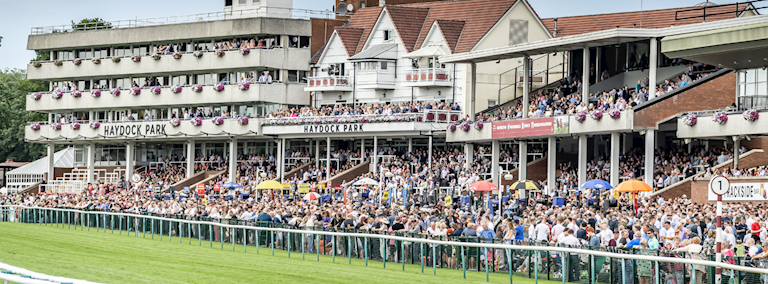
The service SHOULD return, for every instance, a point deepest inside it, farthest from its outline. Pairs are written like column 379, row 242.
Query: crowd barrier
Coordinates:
column 474, row 254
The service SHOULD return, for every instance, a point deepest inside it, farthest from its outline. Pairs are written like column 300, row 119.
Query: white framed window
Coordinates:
column 369, row 66
column 387, row 35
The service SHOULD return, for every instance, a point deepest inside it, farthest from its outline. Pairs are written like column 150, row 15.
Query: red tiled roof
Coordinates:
column 451, row 31
column 350, row 38
column 408, row 22
column 364, row 19
column 567, row 26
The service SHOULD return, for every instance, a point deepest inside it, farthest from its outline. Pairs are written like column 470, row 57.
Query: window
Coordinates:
column 753, row 88
column 242, row 2
column 122, row 51
column 368, row 66
column 101, row 52
column 362, row 5
column 227, row 3
column 491, row 103
column 256, row 2
column 386, row 35
column 384, row 65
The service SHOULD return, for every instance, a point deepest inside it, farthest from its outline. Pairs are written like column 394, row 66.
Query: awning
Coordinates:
column 435, row 50
column 737, row 48
column 375, row 52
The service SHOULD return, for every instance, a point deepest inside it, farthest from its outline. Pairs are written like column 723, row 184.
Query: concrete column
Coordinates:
column 597, row 64
column 582, row 166
column 526, row 79
column 232, row 160
column 410, row 145
column 522, row 168
column 495, row 163
column 328, row 153
column 627, row 143
column 615, row 174
column 653, row 62
column 190, row 158
column 736, row 146
column 51, row 162
column 362, row 150
column 473, row 86
column 281, row 168
column 468, row 153
column 551, row 164
column 585, row 78
column 317, row 154
column 129, row 159
column 375, row 153
column 50, row 118
column 91, row 160
column 649, row 147
column 91, row 116
column 429, row 154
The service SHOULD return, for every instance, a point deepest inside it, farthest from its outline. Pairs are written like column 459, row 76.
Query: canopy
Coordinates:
column 525, row 184
column 597, row 184
column 269, row 184
column 482, row 186
column 366, row 181
column 433, row 50
column 231, row 185
column 632, row 186
column 311, row 196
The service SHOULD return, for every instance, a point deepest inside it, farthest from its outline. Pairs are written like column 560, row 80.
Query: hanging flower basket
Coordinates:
column 751, row 115
column 57, row 94
column 479, row 125
column 196, row 121
column 155, row 90
column 219, row 53
column 135, row 91
column 581, row 116
column 615, row 114
column 95, row 124
column 96, row 60
column 690, row 119
column 136, row 58
column 77, row 62
column 465, row 126
column 77, row 93
column 116, row 59
column 244, row 86
column 452, row 127
column 156, row 56
column 245, row 51
column 115, row 92
column 219, row 120
column 58, row 63
column 177, row 55
column 175, row 121
column 35, row 126
column 197, row 54
column 37, row 96
column 56, row 126
column 176, row 89
column 720, row 117
column 597, row 115
column 37, row 64
column 96, row 93
column 243, row 120
column 75, row 126
column 218, row 87
column 197, row 88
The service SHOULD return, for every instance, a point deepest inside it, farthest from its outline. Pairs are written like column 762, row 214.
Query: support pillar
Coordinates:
column 615, row 174
column 649, row 147
column 91, row 161
column 522, row 165
column 736, row 146
column 551, row 164
column 468, row 154
column 585, row 78
column 597, row 65
column 232, row 160
column 429, row 154
column 190, row 158
column 317, row 154
column 281, row 167
column 410, row 145
column 375, row 154
column 473, row 86
column 526, row 80
column 129, row 159
column 51, row 161
column 328, row 154
column 653, row 62
column 582, row 166
column 495, row 163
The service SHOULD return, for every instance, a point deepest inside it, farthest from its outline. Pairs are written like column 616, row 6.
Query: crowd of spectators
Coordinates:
column 363, row 109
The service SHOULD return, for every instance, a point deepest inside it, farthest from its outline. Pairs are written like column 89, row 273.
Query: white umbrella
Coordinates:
column 311, row 196
column 366, row 181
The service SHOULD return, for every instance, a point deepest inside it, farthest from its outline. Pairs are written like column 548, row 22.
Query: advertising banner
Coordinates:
column 743, row 192
column 530, row 127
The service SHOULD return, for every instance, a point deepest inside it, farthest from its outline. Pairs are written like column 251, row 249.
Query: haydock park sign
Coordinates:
column 134, row 130
column 743, row 192
column 334, row 128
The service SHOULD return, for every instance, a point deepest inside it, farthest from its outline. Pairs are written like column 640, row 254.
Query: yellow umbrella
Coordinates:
column 632, row 186
column 269, row 184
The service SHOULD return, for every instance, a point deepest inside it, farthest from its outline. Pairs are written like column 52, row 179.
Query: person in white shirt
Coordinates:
column 542, row 231
column 569, row 239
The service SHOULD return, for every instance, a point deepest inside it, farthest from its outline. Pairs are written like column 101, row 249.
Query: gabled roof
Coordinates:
column 451, row 31
column 374, row 51
column 350, row 38
column 652, row 19
column 61, row 159
column 364, row 19
column 408, row 22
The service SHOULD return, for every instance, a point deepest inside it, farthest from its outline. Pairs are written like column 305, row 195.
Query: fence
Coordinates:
column 536, row 261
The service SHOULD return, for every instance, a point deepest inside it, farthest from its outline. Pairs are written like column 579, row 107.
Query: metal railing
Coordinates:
column 489, row 255
column 165, row 88
column 329, row 81
column 274, row 12
column 427, row 75
column 753, row 102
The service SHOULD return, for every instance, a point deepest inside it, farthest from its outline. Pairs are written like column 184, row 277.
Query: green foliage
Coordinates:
column 91, row 24
column 14, row 88
column 1, row 40
column 42, row 55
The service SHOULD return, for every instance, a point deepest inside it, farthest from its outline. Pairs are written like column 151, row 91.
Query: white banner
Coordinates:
column 743, row 192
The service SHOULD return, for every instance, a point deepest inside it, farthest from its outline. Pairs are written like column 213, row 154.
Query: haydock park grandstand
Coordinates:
column 608, row 148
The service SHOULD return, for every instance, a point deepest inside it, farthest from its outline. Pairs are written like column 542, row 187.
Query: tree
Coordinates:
column 91, row 24
column 14, row 88
column 1, row 40
column 42, row 55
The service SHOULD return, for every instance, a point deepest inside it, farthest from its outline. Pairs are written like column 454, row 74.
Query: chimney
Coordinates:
column 382, row 3
column 554, row 33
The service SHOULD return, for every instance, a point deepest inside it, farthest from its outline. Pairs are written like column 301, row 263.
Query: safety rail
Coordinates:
column 162, row 54
column 592, row 265
column 203, row 17
column 419, row 75
column 438, row 116
column 329, row 81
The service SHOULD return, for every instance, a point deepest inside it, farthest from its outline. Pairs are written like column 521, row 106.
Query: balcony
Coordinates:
column 275, row 58
column 736, row 124
column 427, row 77
column 144, row 130
column 279, row 93
column 376, row 80
column 329, row 83
column 352, row 125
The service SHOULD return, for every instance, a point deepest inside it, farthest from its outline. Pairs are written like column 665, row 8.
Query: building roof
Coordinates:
column 451, row 31
column 652, row 19
column 374, row 52
column 435, row 50
column 61, row 159
column 408, row 22
column 364, row 19
column 350, row 38
column 12, row 164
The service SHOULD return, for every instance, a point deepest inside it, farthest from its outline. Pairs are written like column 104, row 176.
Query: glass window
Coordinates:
column 241, row 2
column 762, row 75
column 384, row 65
column 256, row 2
column 762, row 89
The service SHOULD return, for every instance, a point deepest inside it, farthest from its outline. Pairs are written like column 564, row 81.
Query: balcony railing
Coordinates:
column 753, row 102
column 427, row 75
column 329, row 81
column 434, row 116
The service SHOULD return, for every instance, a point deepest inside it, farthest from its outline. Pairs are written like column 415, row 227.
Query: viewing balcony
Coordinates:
column 404, row 123
column 142, row 129
column 279, row 93
column 329, row 83
column 730, row 123
column 427, row 77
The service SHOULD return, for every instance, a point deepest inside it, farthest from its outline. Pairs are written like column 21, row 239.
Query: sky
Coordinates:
column 17, row 18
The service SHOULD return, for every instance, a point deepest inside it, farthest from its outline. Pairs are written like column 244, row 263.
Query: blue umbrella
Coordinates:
column 597, row 184
column 231, row 185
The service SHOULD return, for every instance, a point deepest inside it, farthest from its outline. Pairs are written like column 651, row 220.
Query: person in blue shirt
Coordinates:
column 487, row 233
column 519, row 232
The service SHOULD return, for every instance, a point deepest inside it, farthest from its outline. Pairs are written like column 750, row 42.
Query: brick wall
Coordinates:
column 714, row 94
column 321, row 33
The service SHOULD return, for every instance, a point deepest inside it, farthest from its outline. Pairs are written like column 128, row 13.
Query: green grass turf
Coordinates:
column 114, row 258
